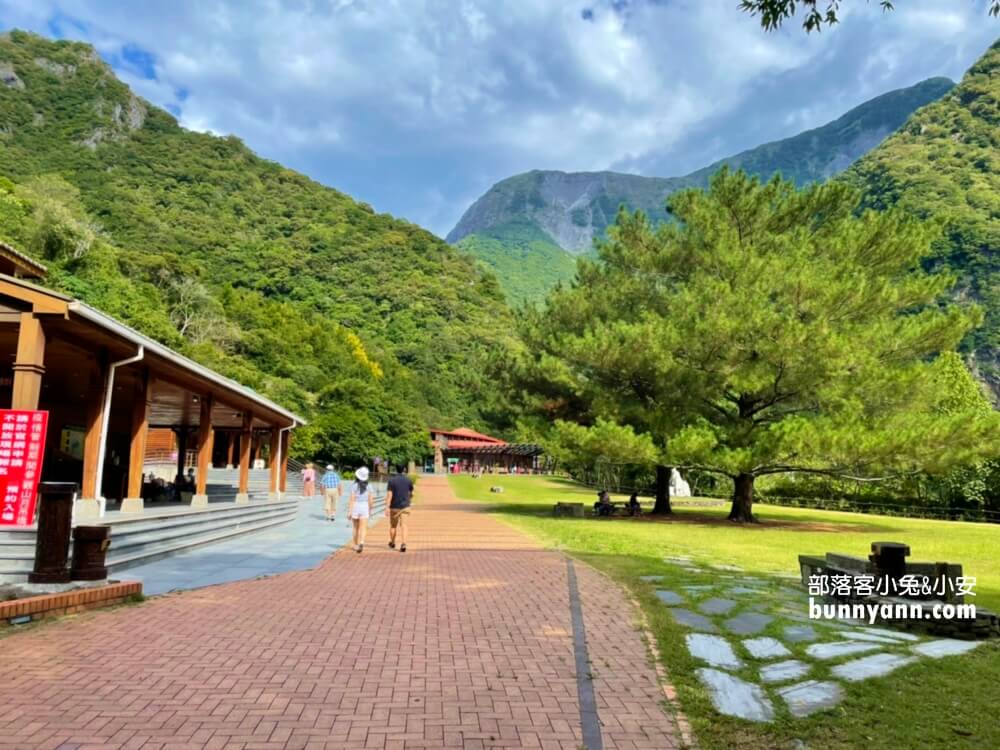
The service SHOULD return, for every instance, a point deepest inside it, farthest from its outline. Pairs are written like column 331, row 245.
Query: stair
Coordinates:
column 17, row 554
column 156, row 534
column 143, row 539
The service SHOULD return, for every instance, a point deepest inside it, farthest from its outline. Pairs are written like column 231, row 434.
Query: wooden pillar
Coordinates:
column 137, row 448
column 92, row 436
column 257, row 439
column 182, row 446
column 286, row 443
column 246, row 440
column 206, row 437
column 273, row 460
column 29, row 364
column 230, row 445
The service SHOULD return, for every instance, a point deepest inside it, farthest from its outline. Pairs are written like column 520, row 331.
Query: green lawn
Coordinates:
column 934, row 703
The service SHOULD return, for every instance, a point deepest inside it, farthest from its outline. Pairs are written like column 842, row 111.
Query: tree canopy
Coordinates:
column 818, row 13
column 766, row 330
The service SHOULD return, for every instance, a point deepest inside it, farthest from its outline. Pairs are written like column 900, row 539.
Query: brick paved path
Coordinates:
column 464, row 641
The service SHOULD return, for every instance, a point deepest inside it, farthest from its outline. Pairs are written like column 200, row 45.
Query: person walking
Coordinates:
column 309, row 481
column 361, row 503
column 397, row 506
column 333, row 488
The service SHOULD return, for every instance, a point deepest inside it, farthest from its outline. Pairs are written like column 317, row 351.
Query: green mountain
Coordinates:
column 370, row 324
column 944, row 163
column 571, row 210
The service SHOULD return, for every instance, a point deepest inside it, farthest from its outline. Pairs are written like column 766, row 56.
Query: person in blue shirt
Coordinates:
column 332, row 490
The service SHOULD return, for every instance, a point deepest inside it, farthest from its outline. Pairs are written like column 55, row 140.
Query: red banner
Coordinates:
column 22, row 447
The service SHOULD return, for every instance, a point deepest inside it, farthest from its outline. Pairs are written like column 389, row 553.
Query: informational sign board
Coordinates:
column 22, row 447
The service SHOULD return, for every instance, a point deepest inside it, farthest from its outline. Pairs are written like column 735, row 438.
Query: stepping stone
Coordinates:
column 747, row 623
column 838, row 649
column 713, row 649
column 855, row 635
column 739, row 590
column 945, row 647
column 684, row 562
column 693, row 620
column 723, row 566
column 716, row 606
column 797, row 618
column 765, row 648
column 651, row 579
column 783, row 671
column 669, row 597
column 735, row 697
column 875, row 665
column 897, row 634
column 800, row 633
column 811, row 696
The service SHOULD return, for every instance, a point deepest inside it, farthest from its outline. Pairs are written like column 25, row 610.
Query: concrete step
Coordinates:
column 134, row 555
column 157, row 534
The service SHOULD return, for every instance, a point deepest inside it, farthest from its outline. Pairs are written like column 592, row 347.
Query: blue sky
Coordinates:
column 418, row 106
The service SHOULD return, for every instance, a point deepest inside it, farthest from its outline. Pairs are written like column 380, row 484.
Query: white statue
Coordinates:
column 678, row 487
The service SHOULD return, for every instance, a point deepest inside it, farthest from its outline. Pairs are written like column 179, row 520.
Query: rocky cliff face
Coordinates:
column 575, row 208
column 572, row 208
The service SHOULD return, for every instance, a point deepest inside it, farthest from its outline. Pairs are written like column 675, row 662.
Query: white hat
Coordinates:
column 329, row 467
column 362, row 474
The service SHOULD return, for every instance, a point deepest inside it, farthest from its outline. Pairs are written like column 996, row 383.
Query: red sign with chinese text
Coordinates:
column 22, row 447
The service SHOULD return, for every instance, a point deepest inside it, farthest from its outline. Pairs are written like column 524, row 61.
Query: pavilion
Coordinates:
column 107, row 386
column 463, row 450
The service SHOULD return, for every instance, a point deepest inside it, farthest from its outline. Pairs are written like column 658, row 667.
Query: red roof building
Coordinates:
column 465, row 450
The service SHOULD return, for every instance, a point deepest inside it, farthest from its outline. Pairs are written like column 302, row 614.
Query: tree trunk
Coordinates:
column 742, row 510
column 662, row 506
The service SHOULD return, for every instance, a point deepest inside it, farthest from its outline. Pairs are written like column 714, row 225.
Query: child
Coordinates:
column 361, row 503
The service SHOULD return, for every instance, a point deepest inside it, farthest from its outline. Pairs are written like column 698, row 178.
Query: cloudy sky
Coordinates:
column 418, row 106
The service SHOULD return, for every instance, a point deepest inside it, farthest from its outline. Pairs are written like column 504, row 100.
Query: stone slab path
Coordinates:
column 466, row 640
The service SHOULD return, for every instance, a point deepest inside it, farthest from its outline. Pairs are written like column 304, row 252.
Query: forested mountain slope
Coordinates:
column 944, row 163
column 292, row 287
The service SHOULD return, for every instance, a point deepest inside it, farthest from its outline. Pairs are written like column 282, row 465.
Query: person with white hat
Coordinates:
column 361, row 505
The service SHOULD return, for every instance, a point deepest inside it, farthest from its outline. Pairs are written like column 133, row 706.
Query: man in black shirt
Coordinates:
column 397, row 507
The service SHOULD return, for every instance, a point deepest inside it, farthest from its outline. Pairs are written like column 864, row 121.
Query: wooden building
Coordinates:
column 465, row 450
column 107, row 387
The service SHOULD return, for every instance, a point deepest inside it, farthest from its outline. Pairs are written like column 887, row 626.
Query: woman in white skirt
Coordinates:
column 362, row 501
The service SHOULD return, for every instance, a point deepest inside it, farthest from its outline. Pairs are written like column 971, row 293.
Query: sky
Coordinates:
column 419, row 106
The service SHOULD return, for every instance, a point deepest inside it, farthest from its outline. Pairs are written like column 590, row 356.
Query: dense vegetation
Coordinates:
column 944, row 163
column 525, row 260
column 286, row 285
column 525, row 219
column 767, row 331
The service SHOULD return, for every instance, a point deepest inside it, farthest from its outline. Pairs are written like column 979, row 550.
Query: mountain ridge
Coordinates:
column 571, row 210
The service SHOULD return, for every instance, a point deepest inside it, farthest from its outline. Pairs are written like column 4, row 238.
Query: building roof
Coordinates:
column 466, row 433
column 48, row 301
column 471, row 444
column 24, row 263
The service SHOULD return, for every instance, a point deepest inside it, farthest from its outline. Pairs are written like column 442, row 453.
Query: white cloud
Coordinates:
column 415, row 104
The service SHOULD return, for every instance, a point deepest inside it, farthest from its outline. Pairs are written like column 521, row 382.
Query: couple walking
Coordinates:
column 361, row 505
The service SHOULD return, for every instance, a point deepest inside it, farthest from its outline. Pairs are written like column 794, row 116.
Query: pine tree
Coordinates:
column 765, row 330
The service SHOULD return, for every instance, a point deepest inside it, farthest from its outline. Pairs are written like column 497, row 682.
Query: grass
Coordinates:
column 947, row 703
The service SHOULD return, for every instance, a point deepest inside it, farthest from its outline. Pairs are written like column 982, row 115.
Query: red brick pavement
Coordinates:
column 464, row 641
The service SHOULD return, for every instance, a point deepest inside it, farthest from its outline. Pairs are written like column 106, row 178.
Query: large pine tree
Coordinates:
column 766, row 330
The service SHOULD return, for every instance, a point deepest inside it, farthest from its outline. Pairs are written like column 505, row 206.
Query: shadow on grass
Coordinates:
column 690, row 517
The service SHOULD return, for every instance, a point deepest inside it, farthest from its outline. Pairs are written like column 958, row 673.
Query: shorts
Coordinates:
column 396, row 515
column 360, row 510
